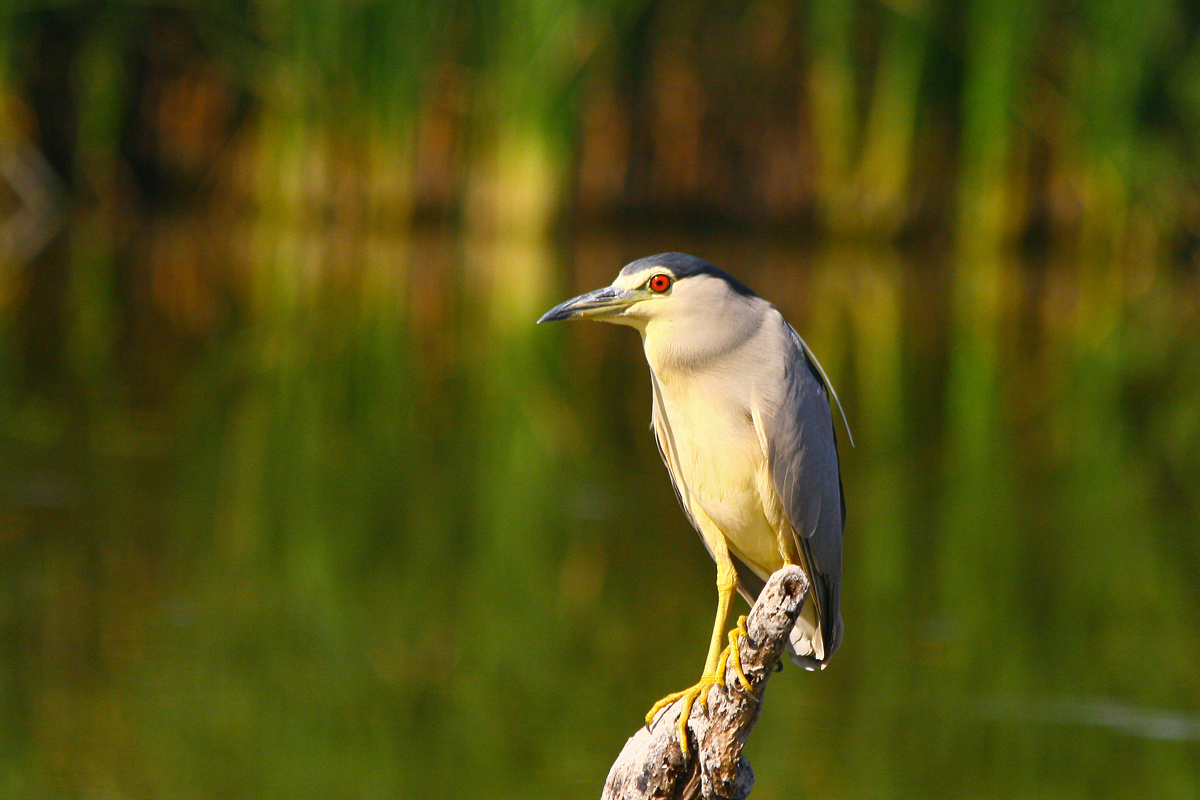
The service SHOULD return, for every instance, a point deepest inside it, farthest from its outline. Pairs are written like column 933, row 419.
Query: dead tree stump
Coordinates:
column 652, row 765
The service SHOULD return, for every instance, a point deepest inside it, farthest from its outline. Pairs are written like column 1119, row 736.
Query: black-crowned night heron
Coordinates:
column 743, row 422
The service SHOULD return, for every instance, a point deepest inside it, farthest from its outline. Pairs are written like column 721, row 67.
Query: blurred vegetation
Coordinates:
column 1013, row 122
column 295, row 501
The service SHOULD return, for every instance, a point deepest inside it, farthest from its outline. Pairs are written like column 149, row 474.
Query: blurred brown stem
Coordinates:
column 652, row 765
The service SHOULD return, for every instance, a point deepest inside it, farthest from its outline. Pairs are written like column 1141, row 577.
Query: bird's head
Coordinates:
column 670, row 290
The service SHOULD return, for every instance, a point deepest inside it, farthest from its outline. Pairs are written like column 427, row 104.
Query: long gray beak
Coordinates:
column 606, row 302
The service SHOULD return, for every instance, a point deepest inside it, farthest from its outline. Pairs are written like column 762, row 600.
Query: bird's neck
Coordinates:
column 675, row 350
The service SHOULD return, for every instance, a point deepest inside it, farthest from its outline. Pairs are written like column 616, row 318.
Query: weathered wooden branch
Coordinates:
column 652, row 765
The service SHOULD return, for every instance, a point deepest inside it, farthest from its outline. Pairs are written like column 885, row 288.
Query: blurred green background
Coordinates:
column 295, row 500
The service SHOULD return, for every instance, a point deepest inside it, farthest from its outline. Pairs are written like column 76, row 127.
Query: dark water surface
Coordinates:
column 376, row 535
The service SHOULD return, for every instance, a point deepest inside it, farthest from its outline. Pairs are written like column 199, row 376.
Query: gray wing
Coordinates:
column 803, row 461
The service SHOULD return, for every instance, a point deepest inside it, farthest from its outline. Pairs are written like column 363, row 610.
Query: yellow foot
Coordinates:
column 688, row 696
column 708, row 680
column 730, row 653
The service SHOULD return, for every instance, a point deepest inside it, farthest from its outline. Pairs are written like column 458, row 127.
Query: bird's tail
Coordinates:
column 806, row 642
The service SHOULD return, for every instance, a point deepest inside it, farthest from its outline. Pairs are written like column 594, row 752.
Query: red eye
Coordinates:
column 660, row 283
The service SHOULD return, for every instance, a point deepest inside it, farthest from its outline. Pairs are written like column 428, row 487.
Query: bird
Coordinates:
column 742, row 416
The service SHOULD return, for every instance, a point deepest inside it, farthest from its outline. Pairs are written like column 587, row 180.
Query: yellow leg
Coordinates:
column 714, row 665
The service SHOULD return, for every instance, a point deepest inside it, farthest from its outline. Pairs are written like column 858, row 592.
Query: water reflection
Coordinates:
column 383, row 537
column 1130, row 720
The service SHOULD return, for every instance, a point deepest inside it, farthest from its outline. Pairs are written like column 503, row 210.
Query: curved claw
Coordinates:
column 731, row 652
